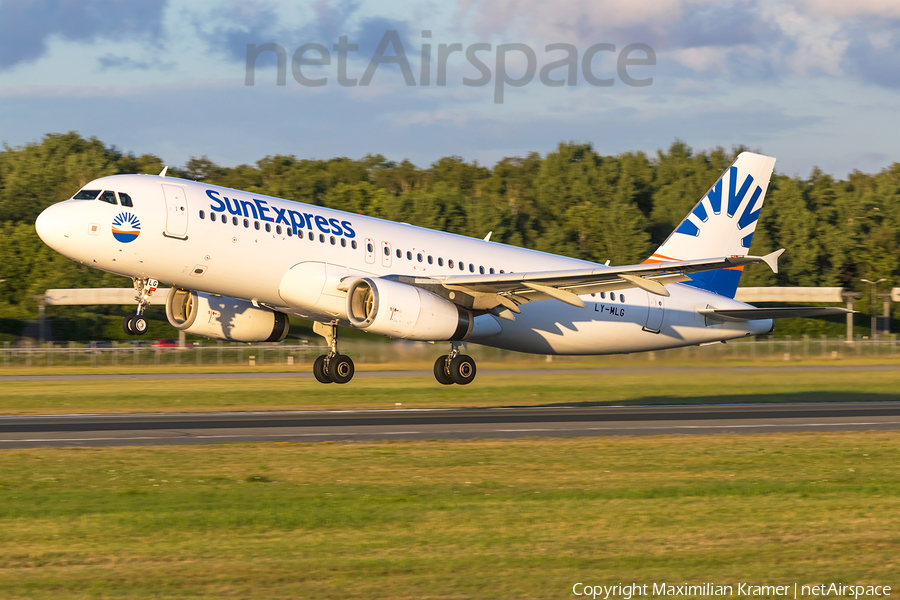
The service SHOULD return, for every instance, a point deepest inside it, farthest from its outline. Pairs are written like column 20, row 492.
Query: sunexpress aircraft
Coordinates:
column 240, row 263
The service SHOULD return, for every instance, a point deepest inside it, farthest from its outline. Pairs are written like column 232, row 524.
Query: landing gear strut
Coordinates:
column 136, row 324
column 332, row 367
column 454, row 367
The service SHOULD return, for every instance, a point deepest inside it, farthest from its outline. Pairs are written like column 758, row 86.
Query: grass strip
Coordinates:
column 527, row 388
column 448, row 519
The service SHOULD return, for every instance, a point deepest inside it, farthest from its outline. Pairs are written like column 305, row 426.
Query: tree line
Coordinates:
column 572, row 201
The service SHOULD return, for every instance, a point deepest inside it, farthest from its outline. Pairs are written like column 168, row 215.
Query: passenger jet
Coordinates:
column 239, row 263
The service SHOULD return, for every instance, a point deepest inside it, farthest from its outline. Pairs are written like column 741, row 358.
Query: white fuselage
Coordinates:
column 234, row 255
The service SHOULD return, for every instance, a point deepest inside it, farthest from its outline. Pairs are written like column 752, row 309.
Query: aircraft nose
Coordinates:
column 52, row 226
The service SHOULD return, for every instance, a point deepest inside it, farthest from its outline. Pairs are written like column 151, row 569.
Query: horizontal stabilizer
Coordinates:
column 782, row 312
column 771, row 259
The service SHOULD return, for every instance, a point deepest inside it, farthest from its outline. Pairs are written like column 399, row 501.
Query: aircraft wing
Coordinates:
column 512, row 289
column 781, row 312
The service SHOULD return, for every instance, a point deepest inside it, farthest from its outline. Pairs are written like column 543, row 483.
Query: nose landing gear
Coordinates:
column 454, row 367
column 332, row 367
column 136, row 324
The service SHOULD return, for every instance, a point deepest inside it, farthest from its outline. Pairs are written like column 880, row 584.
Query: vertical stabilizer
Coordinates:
column 722, row 223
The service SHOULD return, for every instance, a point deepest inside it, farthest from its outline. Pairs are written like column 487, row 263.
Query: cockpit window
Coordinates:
column 108, row 196
column 125, row 199
column 86, row 195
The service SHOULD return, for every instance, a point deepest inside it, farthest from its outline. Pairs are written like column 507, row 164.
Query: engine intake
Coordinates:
column 403, row 311
column 224, row 318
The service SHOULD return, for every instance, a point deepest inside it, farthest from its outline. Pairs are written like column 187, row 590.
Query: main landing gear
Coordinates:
column 454, row 367
column 332, row 367
column 136, row 324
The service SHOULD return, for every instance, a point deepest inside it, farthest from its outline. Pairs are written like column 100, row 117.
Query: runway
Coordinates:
column 405, row 424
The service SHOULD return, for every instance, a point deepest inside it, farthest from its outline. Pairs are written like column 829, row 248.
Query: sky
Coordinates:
column 815, row 83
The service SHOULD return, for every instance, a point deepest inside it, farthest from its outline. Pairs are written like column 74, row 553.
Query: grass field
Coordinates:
column 671, row 386
column 448, row 519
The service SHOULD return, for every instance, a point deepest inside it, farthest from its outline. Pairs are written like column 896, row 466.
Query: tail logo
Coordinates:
column 126, row 227
column 711, row 206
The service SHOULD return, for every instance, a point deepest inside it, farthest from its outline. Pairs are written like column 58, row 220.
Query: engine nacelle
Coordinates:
column 404, row 311
column 223, row 318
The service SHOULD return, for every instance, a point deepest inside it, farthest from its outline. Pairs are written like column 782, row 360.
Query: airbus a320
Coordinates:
column 240, row 263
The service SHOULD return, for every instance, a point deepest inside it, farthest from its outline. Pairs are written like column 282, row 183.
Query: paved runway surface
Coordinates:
column 367, row 425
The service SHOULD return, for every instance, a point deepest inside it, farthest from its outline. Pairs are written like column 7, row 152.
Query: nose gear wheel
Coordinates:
column 136, row 324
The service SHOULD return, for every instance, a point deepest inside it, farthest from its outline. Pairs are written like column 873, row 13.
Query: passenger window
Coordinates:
column 419, row 257
column 387, row 251
column 440, row 261
column 408, row 255
column 399, row 254
column 343, row 242
column 430, row 260
column 321, row 239
column 212, row 216
column 300, row 234
column 203, row 215
column 278, row 229
column 450, row 263
column 370, row 248
column 603, row 295
column 502, row 271
column 86, row 195
column 621, row 297
column 481, row 270
column 462, row 266
column 290, row 232
column 353, row 243
column 246, row 223
column 492, row 270
column 109, row 197
column 268, row 228
column 256, row 225
column 471, row 268
column 332, row 240
column 612, row 295
column 125, row 200
column 234, row 221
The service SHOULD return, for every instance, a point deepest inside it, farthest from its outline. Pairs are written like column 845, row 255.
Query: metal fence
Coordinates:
column 125, row 354
column 288, row 355
column 788, row 348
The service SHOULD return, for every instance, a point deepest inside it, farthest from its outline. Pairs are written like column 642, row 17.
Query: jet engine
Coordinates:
column 403, row 311
column 223, row 318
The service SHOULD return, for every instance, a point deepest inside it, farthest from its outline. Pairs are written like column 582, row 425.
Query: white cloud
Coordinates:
column 701, row 59
column 563, row 20
column 819, row 41
column 856, row 8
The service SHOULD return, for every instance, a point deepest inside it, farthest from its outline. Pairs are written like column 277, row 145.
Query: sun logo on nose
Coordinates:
column 126, row 227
